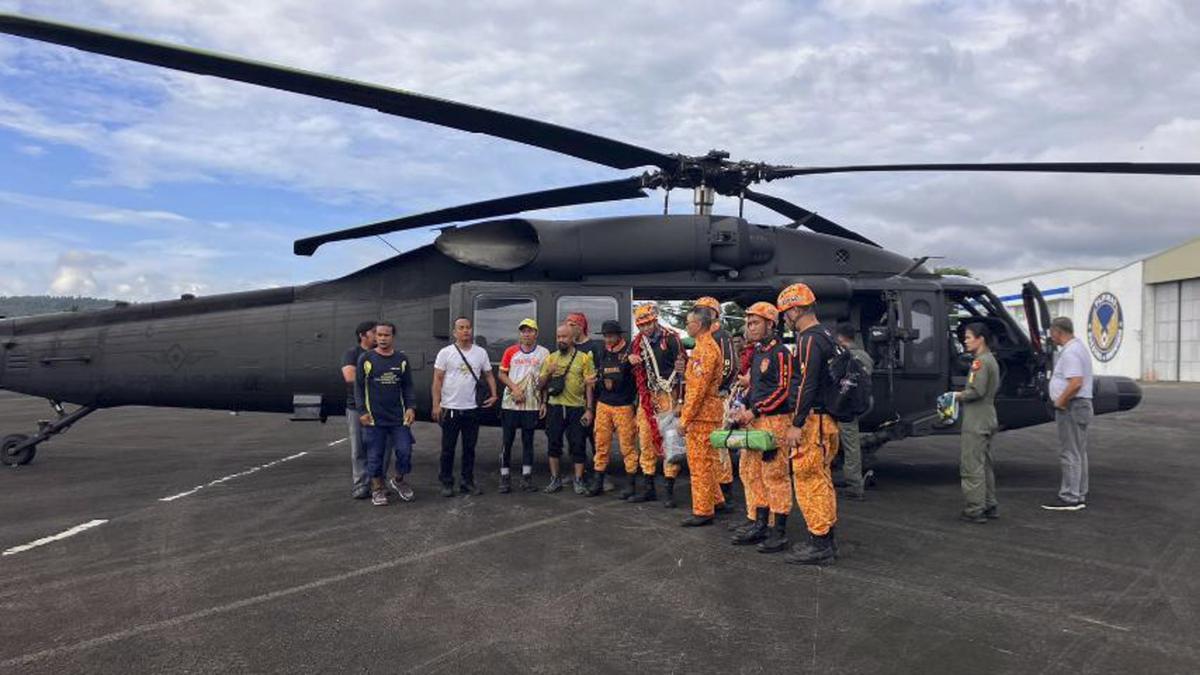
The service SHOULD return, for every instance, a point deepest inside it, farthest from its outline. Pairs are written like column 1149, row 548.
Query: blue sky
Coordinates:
column 123, row 180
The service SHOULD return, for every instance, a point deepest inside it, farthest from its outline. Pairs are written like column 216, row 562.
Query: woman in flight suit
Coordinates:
column 979, row 426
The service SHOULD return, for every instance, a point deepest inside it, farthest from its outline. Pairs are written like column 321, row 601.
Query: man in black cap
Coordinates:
column 616, row 394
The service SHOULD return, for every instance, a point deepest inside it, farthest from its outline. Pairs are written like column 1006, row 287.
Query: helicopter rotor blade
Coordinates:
column 805, row 218
column 607, row 191
column 442, row 112
column 1148, row 168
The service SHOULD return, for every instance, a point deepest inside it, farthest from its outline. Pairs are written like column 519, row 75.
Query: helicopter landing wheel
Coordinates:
column 9, row 457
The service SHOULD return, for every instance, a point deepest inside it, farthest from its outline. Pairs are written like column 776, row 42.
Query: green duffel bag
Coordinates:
column 742, row 439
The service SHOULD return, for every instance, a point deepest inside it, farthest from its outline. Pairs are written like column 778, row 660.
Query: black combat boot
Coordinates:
column 597, row 487
column 650, row 494
column 820, row 550
column 669, row 498
column 776, row 540
column 757, row 532
column 696, row 521
column 630, row 490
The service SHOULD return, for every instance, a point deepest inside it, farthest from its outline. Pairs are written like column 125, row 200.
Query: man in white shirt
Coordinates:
column 1071, row 392
column 457, row 372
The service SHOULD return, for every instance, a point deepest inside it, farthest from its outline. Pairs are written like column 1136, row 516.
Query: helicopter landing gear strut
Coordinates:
column 19, row 449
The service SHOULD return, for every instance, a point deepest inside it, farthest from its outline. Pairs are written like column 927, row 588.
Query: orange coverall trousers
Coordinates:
column 810, row 473
column 649, row 453
column 703, row 467
column 766, row 483
column 619, row 419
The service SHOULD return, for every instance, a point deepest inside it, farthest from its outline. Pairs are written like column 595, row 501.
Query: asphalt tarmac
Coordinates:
column 276, row 569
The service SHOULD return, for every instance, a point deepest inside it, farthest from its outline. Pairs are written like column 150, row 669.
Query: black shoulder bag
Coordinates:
column 482, row 391
column 558, row 383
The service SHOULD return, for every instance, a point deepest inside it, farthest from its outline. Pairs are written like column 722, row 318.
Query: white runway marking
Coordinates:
column 338, row 441
column 55, row 537
column 287, row 592
column 232, row 476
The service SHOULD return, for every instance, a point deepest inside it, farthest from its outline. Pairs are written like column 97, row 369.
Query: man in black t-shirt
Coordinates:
column 365, row 334
column 384, row 398
column 616, row 392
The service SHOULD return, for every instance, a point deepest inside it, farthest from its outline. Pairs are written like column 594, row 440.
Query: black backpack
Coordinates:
column 848, row 394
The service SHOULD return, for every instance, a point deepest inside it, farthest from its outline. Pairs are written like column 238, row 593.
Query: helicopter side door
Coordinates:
column 496, row 308
column 922, row 357
column 1037, row 314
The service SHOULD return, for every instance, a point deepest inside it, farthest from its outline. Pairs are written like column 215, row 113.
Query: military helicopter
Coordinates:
column 222, row 352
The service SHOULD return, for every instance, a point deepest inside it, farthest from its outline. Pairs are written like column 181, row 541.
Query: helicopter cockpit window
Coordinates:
column 598, row 308
column 923, row 350
column 496, row 320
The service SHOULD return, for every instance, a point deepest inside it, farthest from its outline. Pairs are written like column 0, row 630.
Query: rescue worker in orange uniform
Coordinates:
column 615, row 395
column 658, row 359
column 813, row 434
column 703, row 412
column 729, row 373
column 768, row 408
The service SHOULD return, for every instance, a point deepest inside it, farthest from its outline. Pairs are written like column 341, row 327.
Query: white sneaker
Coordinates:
column 402, row 489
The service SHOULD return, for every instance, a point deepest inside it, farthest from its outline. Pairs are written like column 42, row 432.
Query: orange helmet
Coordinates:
column 796, row 295
column 644, row 314
column 708, row 302
column 765, row 310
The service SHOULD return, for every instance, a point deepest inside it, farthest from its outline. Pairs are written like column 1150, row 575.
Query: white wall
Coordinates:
column 1126, row 284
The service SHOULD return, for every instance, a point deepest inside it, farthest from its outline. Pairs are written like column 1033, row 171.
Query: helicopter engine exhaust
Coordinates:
column 574, row 249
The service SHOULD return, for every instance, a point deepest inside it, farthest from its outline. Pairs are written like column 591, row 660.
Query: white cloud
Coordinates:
column 75, row 272
column 94, row 212
column 847, row 81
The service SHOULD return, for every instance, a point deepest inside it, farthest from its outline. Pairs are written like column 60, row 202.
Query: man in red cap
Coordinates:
column 578, row 321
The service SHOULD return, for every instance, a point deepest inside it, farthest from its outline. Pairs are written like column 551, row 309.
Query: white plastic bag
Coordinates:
column 674, row 447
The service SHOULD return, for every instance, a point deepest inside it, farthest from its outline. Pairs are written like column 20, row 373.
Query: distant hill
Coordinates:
column 28, row 305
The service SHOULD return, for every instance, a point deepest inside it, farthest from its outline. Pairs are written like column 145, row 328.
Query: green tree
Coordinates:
column 30, row 305
column 952, row 271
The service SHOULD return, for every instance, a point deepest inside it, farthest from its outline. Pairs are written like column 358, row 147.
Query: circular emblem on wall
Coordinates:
column 1105, row 326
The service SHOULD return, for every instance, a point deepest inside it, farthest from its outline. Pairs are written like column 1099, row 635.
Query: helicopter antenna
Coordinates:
column 380, row 236
column 917, row 262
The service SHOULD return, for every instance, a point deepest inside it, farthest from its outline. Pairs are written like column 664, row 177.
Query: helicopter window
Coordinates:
column 598, row 308
column 496, row 319
column 923, row 349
